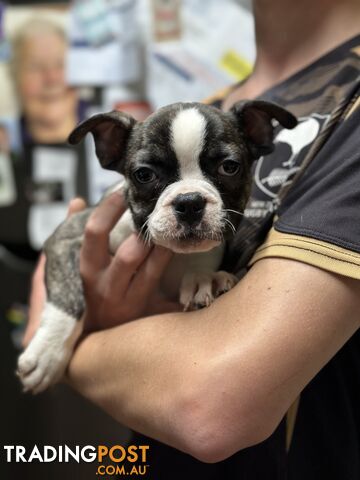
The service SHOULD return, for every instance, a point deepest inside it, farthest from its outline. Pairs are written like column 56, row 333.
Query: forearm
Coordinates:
column 164, row 377
column 141, row 373
column 218, row 380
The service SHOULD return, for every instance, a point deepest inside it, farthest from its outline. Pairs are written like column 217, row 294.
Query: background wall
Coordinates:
column 244, row 3
column 196, row 32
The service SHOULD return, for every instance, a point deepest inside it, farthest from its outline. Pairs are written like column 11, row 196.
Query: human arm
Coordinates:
column 218, row 380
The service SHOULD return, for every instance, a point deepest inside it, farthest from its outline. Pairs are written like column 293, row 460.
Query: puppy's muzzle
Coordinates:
column 189, row 208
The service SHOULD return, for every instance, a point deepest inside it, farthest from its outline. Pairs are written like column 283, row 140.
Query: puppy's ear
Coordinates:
column 111, row 132
column 255, row 119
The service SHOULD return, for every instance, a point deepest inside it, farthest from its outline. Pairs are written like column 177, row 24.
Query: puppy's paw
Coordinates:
column 199, row 290
column 44, row 361
column 223, row 282
column 42, row 364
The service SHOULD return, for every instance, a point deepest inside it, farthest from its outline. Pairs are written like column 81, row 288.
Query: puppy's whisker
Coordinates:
column 234, row 211
column 147, row 237
column 144, row 225
column 145, row 234
column 226, row 220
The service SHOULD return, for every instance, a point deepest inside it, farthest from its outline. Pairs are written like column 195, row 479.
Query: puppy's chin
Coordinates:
column 191, row 242
column 187, row 245
column 167, row 231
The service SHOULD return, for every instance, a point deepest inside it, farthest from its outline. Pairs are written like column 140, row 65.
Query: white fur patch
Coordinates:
column 46, row 357
column 188, row 132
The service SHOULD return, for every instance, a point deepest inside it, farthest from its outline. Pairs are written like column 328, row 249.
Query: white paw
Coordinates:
column 46, row 357
column 42, row 364
column 199, row 290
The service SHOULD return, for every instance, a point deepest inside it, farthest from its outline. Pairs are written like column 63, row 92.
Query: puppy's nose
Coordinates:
column 189, row 207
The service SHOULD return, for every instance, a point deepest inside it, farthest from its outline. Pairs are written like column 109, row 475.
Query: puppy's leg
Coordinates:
column 46, row 357
column 199, row 290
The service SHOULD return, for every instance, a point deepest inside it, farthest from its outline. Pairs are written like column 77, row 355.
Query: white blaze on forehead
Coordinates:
column 188, row 131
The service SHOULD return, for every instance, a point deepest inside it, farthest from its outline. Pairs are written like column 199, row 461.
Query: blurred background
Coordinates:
column 61, row 62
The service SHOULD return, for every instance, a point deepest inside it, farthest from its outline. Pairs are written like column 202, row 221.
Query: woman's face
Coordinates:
column 44, row 95
column 41, row 67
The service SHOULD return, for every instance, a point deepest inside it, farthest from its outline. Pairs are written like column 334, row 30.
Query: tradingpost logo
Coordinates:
column 131, row 460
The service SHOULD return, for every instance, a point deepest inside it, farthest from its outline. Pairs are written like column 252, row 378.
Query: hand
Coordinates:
column 38, row 293
column 122, row 287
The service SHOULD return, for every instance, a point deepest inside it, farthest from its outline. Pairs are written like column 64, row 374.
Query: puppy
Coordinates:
column 187, row 172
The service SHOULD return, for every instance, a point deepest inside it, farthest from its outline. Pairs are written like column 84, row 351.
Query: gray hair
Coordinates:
column 32, row 26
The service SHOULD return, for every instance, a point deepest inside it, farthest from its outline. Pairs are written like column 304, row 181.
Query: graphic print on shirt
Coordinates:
column 291, row 148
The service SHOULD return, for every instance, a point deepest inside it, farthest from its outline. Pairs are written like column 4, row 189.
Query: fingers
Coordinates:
column 158, row 304
column 127, row 261
column 95, row 249
column 146, row 282
column 76, row 205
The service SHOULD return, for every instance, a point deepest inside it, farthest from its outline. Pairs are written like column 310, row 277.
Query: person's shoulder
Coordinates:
column 217, row 98
column 318, row 221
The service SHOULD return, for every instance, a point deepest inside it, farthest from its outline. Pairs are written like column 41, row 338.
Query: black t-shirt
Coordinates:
column 317, row 222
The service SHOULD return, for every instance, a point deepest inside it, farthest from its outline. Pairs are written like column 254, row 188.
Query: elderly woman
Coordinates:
column 50, row 108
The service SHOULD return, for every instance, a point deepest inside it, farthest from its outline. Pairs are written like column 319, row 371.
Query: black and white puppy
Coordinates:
column 187, row 172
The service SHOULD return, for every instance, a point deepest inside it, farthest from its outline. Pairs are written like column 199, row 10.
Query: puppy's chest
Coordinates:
column 180, row 264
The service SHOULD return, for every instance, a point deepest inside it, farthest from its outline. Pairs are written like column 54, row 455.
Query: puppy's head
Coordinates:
column 187, row 166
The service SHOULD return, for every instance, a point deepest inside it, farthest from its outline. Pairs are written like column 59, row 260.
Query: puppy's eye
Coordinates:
column 144, row 175
column 229, row 168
